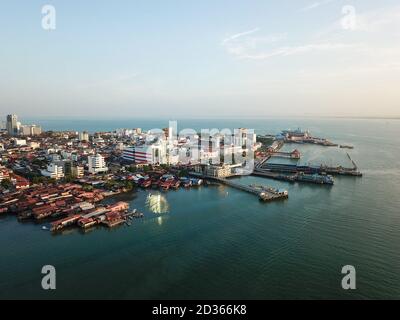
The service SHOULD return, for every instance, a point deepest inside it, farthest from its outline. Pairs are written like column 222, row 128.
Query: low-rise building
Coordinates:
column 20, row 142
column 77, row 171
column 217, row 171
column 34, row 145
column 53, row 171
column 4, row 174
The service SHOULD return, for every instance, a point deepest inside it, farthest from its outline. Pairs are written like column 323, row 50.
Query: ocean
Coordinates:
column 216, row 242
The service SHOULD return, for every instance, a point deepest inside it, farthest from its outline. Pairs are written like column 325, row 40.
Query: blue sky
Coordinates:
column 200, row 58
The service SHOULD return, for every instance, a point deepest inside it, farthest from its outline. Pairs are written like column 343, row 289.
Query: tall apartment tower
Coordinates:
column 97, row 164
column 12, row 124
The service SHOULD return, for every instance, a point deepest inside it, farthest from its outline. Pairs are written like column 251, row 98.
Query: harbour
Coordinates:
column 207, row 229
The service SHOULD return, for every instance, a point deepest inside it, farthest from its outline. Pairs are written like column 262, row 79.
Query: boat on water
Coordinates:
column 196, row 181
column 315, row 178
column 186, row 182
column 155, row 183
column 146, row 183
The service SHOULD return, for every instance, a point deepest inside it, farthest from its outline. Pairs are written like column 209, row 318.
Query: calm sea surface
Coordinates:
column 217, row 242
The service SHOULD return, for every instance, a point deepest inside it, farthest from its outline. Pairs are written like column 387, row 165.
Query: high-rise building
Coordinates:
column 155, row 153
column 30, row 130
column 97, row 164
column 83, row 136
column 12, row 124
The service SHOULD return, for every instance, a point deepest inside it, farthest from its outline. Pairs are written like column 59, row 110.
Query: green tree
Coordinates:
column 132, row 169
column 183, row 173
column 87, row 187
column 6, row 183
column 129, row 185
column 68, row 178
column 51, row 181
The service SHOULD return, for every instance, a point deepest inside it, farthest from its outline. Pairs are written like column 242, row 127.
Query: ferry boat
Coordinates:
column 315, row 178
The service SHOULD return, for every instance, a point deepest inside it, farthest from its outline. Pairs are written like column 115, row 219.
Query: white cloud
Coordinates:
column 294, row 50
column 316, row 5
column 241, row 34
column 245, row 45
column 381, row 20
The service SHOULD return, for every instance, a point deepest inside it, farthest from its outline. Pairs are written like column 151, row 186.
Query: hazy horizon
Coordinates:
column 247, row 59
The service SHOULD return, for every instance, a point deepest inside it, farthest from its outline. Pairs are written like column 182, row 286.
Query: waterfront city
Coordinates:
column 62, row 177
column 211, row 151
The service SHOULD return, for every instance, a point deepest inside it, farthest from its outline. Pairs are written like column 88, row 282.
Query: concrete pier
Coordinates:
column 264, row 193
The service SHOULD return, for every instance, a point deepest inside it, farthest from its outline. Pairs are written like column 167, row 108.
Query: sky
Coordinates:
column 208, row 58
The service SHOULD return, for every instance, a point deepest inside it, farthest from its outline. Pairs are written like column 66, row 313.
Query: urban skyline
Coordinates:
column 201, row 150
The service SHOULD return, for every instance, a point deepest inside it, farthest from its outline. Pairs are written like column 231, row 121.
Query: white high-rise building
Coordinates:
column 30, row 130
column 97, row 164
column 155, row 153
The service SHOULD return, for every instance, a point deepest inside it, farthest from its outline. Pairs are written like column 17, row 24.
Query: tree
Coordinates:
column 129, row 185
column 132, row 169
column 6, row 183
column 68, row 178
column 183, row 173
column 164, row 166
column 87, row 187
column 51, row 181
